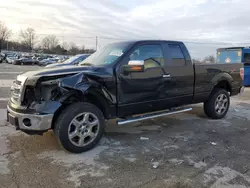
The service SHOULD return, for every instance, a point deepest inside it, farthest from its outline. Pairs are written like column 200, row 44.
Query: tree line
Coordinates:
column 50, row 44
column 207, row 59
column 28, row 42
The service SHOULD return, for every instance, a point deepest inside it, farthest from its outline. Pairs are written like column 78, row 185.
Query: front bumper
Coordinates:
column 29, row 122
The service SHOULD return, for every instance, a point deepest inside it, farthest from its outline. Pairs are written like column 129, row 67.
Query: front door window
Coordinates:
column 152, row 55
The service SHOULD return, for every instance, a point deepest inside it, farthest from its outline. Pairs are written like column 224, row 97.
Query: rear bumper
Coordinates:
column 242, row 90
column 238, row 91
column 29, row 122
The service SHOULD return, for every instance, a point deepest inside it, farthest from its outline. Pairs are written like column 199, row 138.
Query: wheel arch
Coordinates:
column 224, row 84
column 93, row 96
column 223, row 81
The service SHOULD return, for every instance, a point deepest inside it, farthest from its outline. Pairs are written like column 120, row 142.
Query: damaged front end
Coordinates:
column 51, row 92
column 34, row 102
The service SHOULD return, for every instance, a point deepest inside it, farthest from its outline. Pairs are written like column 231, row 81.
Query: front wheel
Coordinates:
column 79, row 127
column 216, row 107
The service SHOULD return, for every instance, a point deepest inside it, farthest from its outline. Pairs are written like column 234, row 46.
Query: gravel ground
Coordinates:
column 178, row 151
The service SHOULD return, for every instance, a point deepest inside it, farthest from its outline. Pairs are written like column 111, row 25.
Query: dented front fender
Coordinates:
column 83, row 84
column 76, row 82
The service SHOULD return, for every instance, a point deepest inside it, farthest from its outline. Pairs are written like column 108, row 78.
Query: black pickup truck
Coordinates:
column 124, row 80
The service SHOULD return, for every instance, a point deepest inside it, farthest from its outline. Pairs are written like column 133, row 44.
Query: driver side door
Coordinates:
column 140, row 92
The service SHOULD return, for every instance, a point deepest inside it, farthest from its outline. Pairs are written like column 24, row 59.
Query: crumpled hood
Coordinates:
column 65, row 70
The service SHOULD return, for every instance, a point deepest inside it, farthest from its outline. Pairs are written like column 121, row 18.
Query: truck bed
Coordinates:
column 207, row 75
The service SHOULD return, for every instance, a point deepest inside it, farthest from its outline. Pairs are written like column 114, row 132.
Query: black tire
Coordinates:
column 63, row 122
column 210, row 104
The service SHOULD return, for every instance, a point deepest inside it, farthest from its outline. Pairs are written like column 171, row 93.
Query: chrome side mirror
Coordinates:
column 134, row 66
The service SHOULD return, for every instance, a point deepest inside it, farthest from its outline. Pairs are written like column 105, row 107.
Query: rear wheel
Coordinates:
column 79, row 127
column 217, row 105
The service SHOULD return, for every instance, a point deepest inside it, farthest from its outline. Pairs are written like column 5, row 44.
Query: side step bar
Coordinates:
column 152, row 115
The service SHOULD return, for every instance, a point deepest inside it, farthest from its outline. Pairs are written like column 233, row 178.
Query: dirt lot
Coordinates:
column 185, row 150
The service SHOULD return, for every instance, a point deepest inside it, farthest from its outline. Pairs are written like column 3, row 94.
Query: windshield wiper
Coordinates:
column 88, row 64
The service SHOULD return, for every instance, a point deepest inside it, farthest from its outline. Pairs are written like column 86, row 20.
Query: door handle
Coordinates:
column 166, row 76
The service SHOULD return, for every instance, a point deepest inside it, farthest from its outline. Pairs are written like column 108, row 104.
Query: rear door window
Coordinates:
column 176, row 54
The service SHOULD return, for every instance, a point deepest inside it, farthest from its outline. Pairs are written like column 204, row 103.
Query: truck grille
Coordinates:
column 17, row 89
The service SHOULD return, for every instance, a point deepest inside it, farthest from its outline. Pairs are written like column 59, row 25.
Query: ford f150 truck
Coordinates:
column 130, row 81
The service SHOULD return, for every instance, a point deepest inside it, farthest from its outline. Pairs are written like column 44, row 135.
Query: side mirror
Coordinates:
column 134, row 66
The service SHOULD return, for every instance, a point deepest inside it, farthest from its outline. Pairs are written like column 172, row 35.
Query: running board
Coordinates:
column 152, row 115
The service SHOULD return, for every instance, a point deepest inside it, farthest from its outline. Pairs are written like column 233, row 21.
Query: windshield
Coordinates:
column 72, row 59
column 229, row 56
column 107, row 55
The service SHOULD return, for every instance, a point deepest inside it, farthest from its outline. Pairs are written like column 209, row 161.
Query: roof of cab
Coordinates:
column 146, row 41
column 151, row 40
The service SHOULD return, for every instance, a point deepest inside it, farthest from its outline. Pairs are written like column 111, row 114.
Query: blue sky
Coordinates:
column 210, row 21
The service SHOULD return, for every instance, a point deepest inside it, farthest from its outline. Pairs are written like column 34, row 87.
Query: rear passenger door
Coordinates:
column 179, row 74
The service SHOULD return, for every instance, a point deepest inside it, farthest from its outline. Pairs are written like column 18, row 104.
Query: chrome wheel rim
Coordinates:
column 83, row 129
column 221, row 104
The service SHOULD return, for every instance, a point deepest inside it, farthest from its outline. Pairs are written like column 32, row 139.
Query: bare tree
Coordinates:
column 49, row 42
column 196, row 61
column 65, row 45
column 82, row 49
column 45, row 43
column 209, row 59
column 53, row 41
column 5, row 33
column 28, row 37
column 73, row 48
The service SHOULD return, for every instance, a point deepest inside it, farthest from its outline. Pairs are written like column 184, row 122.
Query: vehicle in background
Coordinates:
column 2, row 57
column 48, row 61
column 236, row 55
column 61, row 59
column 8, row 57
column 42, row 57
column 133, row 81
column 24, row 61
column 10, row 54
column 35, row 59
column 75, row 60
column 11, row 58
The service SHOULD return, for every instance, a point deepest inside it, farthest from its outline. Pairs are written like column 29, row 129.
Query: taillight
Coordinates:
column 242, row 73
